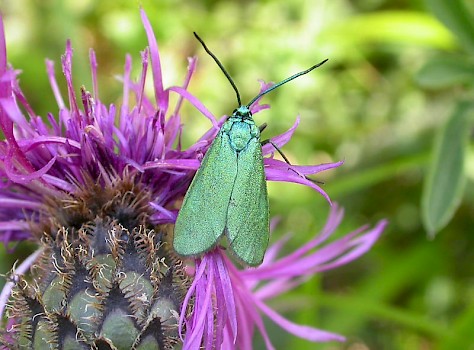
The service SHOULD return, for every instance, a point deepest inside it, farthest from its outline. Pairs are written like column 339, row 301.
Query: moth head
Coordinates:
column 242, row 112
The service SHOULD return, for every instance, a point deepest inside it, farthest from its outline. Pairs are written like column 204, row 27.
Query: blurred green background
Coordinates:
column 378, row 104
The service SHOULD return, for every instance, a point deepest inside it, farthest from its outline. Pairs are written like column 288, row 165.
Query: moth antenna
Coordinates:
column 294, row 76
column 221, row 67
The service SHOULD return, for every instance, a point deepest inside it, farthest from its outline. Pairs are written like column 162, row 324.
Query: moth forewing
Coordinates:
column 248, row 218
column 202, row 218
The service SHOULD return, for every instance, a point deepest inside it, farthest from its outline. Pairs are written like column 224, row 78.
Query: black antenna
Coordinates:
column 294, row 76
column 221, row 67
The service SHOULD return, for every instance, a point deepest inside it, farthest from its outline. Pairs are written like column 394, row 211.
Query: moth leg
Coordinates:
column 262, row 127
column 264, row 142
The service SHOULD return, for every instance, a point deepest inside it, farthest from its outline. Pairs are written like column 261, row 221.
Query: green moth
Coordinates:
column 228, row 195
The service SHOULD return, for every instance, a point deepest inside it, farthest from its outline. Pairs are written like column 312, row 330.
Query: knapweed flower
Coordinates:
column 97, row 187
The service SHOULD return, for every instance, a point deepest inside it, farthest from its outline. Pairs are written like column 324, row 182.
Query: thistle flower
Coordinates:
column 97, row 187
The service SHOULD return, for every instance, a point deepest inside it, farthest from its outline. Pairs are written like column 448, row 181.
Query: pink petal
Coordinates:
column 305, row 332
column 280, row 140
column 192, row 61
column 274, row 174
column 160, row 95
column 124, row 111
column 3, row 48
column 66, row 60
column 196, row 103
column 19, row 203
column 26, row 178
column 195, row 338
column 185, row 164
column 54, row 83
column 228, row 294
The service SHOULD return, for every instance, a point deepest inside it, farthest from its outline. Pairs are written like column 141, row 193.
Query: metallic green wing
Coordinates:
column 202, row 218
column 248, row 217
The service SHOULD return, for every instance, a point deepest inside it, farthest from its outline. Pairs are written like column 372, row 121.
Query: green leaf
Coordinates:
column 386, row 27
column 445, row 71
column 460, row 330
column 456, row 17
column 445, row 182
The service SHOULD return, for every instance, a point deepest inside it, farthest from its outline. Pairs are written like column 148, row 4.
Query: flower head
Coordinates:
column 97, row 178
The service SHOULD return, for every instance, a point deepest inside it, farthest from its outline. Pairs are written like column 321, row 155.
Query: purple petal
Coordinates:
column 194, row 339
column 285, row 175
column 273, row 251
column 247, row 308
column 143, row 102
column 192, row 61
column 278, row 286
column 32, row 143
column 26, row 178
column 301, row 169
column 185, row 164
column 124, row 111
column 21, row 98
column 93, row 63
column 280, row 140
column 19, row 203
column 314, row 169
column 160, row 95
column 54, row 84
column 162, row 214
column 360, row 246
column 66, row 60
column 197, row 277
column 328, row 257
column 58, row 183
column 14, row 225
column 15, row 115
column 256, row 106
column 196, row 103
column 305, row 332
column 228, row 294
column 6, row 125
column 335, row 217
column 3, row 49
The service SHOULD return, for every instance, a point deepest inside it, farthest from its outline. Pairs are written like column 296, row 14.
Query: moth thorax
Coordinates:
column 240, row 135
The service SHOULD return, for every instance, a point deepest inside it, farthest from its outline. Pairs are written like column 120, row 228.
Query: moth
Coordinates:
column 228, row 195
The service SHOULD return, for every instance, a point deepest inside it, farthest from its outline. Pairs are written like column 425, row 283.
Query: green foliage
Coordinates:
column 456, row 17
column 443, row 71
column 445, row 184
